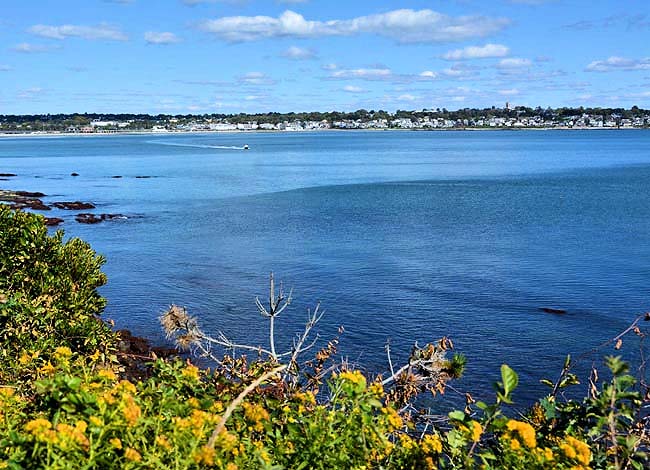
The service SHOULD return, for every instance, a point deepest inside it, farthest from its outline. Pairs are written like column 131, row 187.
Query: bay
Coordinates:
column 402, row 236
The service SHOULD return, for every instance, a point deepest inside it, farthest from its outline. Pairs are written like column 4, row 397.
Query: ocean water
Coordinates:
column 402, row 236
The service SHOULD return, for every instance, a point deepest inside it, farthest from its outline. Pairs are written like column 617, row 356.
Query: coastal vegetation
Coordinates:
column 460, row 118
column 71, row 398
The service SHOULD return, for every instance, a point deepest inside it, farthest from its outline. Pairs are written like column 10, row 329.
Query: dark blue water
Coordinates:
column 401, row 235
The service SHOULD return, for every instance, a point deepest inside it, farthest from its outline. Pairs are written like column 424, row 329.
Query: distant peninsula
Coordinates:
column 508, row 117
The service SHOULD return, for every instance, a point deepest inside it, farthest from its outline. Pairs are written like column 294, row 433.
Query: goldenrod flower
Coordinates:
column 132, row 455
column 131, row 410
column 48, row 369
column 476, row 430
column 394, row 419
column 95, row 421
column 431, row 444
column 204, row 455
column 42, row 430
column 116, row 443
column 524, row 431
column 354, row 377
column 576, row 449
column 191, row 372
column 62, row 353
column 107, row 374
column 163, row 442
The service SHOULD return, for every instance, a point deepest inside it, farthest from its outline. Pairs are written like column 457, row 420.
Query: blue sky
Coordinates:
column 228, row 56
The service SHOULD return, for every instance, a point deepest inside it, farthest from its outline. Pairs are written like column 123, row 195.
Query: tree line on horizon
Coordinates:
column 142, row 120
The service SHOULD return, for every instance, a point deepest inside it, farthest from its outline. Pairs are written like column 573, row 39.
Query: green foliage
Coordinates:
column 64, row 405
column 48, row 295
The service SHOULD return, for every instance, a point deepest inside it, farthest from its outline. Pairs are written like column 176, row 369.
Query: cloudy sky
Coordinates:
column 205, row 56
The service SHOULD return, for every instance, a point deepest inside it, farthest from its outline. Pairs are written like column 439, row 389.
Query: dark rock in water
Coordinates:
column 73, row 206
column 116, row 176
column 52, row 221
column 86, row 218
column 143, row 177
column 74, row 174
column 558, row 311
column 5, row 175
column 34, row 204
column 23, row 200
column 28, row 194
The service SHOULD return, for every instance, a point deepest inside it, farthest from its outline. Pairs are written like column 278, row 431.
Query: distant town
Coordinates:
column 508, row 117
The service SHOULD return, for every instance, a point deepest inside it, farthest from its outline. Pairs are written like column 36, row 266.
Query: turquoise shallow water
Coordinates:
column 402, row 235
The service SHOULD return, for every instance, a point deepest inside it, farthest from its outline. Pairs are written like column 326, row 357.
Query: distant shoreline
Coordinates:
column 261, row 131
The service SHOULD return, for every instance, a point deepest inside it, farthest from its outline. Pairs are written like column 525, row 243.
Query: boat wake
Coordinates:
column 198, row 146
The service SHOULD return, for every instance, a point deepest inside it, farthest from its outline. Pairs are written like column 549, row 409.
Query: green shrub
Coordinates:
column 48, row 295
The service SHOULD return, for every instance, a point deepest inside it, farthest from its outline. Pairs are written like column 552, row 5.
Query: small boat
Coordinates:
column 246, row 147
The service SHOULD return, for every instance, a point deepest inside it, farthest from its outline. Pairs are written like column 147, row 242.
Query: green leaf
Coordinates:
column 457, row 415
column 509, row 378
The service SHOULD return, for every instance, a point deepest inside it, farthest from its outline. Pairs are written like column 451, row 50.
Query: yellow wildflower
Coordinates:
column 95, row 356
column 394, row 419
column 204, row 455
column 107, row 374
column 116, row 443
column 476, row 431
column 133, row 455
column 255, row 414
column 514, row 444
column 406, row 442
column 524, row 431
column 232, row 466
column 191, row 372
column 354, row 377
column 576, row 449
column 42, row 430
column 73, row 434
column 24, row 358
column 95, row 421
column 47, row 369
column 431, row 444
column 193, row 402
column 377, row 389
column 125, row 386
column 62, row 353
column 131, row 410
column 163, row 442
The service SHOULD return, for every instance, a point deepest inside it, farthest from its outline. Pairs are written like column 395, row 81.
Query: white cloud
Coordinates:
column 363, row 74
column 618, row 63
column 153, row 37
column 514, row 63
column 102, row 31
column 428, row 75
column 330, row 66
column 299, row 53
column 405, row 26
column 477, row 52
column 510, row 92
column 407, row 97
column 28, row 48
column 256, row 78
column 353, row 89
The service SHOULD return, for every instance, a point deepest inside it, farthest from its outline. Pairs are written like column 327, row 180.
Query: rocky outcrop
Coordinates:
column 73, row 206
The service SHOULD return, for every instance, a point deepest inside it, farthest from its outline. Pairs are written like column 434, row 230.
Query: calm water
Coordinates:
column 402, row 235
